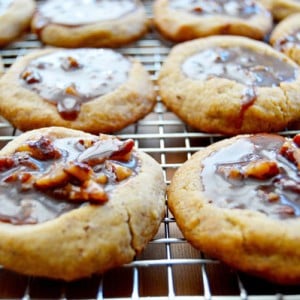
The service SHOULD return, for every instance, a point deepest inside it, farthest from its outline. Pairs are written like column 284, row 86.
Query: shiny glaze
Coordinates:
column 81, row 12
column 251, row 193
column 239, row 64
column 68, row 78
column 4, row 4
column 25, row 203
column 233, row 8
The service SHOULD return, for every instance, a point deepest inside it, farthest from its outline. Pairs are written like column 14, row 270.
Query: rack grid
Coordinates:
column 169, row 267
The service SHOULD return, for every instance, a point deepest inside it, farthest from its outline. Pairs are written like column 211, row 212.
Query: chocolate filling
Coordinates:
column 69, row 78
column 90, row 11
column 259, row 173
column 45, row 178
column 234, row 8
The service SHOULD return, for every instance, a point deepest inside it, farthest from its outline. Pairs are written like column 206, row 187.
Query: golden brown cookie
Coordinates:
column 95, row 90
column 75, row 204
column 283, row 8
column 238, row 201
column 15, row 17
column 286, row 37
column 181, row 20
column 91, row 23
column 231, row 85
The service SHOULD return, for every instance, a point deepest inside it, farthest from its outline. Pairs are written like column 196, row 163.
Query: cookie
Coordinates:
column 91, row 23
column 181, row 20
column 283, row 8
column 230, row 85
column 95, row 90
column 286, row 37
column 15, row 17
column 74, row 204
column 237, row 201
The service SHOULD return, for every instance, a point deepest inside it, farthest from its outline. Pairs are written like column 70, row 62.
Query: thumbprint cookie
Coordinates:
column 89, row 23
column 15, row 17
column 231, row 85
column 286, row 37
column 74, row 204
column 95, row 90
column 238, row 201
column 182, row 20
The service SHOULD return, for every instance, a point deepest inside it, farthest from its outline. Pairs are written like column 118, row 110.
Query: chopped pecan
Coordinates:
column 101, row 178
column 286, row 210
column 296, row 140
column 121, row 172
column 79, row 170
column 70, row 63
column 124, row 151
column 42, row 149
column 71, row 90
column 230, row 171
column 6, row 163
column 273, row 197
column 261, row 169
column 57, row 177
column 291, row 152
column 31, row 76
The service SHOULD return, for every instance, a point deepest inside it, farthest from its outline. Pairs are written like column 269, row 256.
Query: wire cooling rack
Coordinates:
column 169, row 267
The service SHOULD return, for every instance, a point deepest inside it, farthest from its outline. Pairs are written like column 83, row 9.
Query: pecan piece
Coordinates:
column 296, row 140
column 70, row 63
column 57, row 177
column 79, row 170
column 291, row 152
column 230, row 172
column 42, row 149
column 6, row 163
column 31, row 77
column 71, row 90
column 261, row 169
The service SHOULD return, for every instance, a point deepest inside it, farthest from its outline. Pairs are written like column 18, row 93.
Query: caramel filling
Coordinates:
column 69, row 78
column 45, row 178
column 233, row 8
column 239, row 64
column 259, row 173
column 4, row 4
column 81, row 12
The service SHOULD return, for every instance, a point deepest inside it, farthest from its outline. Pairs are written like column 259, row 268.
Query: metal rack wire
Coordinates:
column 169, row 268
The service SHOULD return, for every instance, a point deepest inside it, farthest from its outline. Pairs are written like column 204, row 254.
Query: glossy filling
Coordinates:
column 47, row 177
column 233, row 8
column 290, row 40
column 239, row 64
column 81, row 12
column 4, row 4
column 69, row 78
column 259, row 173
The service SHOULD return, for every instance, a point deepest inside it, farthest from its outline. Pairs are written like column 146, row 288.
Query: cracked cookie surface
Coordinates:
column 238, row 201
column 230, row 85
column 181, row 20
column 75, row 204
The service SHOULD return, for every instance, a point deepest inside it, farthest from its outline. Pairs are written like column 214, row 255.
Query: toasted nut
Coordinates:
column 70, row 63
column 291, row 152
column 57, row 177
column 273, row 197
column 31, row 76
column 102, row 178
column 124, row 151
column 296, row 140
column 42, row 149
column 6, row 163
column 71, row 90
column 121, row 172
column 230, row 172
column 286, row 210
column 79, row 170
column 261, row 169
column 95, row 191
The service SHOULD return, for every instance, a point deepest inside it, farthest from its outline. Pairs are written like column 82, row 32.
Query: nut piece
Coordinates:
column 121, row 172
column 79, row 170
column 42, row 149
column 230, row 171
column 261, row 169
column 291, row 152
column 31, row 76
column 57, row 177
